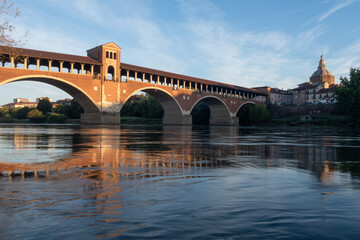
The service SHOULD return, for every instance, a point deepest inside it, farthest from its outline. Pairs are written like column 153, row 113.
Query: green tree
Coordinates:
column 22, row 112
column 36, row 116
column 44, row 106
column 72, row 111
column 259, row 114
column 253, row 114
column 4, row 111
column 147, row 107
column 348, row 96
column 57, row 118
column 60, row 109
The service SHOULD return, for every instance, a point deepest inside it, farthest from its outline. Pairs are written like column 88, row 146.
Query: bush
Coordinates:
column 57, row 118
column 4, row 111
column 36, row 116
column 22, row 112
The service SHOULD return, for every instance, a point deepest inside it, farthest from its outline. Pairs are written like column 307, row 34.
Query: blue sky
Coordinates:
column 250, row 43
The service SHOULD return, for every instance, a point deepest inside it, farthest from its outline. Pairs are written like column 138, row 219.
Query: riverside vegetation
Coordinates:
column 43, row 113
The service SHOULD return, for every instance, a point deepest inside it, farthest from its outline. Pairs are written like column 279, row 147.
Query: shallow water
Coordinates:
column 76, row 182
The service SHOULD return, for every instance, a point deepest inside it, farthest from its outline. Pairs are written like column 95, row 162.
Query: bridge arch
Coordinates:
column 77, row 93
column 218, row 109
column 247, row 102
column 243, row 113
column 172, row 110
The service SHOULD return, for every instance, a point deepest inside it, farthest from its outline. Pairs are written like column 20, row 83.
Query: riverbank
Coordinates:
column 322, row 120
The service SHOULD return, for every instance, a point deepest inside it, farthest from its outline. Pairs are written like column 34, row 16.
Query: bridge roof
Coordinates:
column 187, row 78
column 47, row 55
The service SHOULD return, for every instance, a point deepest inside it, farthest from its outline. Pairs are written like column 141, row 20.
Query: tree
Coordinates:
column 22, row 112
column 7, row 11
column 44, row 106
column 57, row 118
column 74, row 110
column 251, row 114
column 259, row 114
column 147, row 107
column 4, row 111
column 60, row 109
column 348, row 96
column 36, row 116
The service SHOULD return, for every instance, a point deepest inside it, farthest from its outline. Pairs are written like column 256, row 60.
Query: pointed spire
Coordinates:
column 322, row 63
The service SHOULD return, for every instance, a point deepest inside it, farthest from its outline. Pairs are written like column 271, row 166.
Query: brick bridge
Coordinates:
column 102, row 85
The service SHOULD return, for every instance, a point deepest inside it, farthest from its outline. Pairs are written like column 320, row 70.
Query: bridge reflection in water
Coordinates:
column 104, row 152
column 70, row 182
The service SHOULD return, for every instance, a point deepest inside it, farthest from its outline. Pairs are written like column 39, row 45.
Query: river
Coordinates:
column 86, row 182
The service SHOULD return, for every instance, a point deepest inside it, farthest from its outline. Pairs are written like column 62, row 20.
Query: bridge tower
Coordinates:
column 109, row 55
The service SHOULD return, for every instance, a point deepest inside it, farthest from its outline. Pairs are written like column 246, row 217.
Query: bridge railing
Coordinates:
column 178, row 83
column 50, row 65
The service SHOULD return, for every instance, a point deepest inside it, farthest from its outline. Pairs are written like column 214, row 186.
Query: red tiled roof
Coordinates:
column 48, row 55
column 187, row 78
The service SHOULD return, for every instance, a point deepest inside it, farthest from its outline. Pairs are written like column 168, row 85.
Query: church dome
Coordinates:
column 322, row 75
column 321, row 71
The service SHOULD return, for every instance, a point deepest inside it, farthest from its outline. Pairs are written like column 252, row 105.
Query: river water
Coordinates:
column 78, row 182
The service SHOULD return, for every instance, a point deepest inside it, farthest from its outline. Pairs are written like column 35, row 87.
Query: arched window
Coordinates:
column 110, row 73
column 114, row 55
column 107, row 54
column 111, row 55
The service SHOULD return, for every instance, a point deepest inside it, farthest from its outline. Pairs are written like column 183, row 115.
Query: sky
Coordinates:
column 249, row 43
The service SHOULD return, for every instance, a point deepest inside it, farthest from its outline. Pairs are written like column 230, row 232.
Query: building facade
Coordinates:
column 276, row 96
column 319, row 89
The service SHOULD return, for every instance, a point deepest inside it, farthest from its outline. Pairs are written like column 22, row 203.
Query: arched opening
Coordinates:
column 252, row 114
column 123, row 76
column 82, row 100
column 110, row 73
column 210, row 110
column 151, row 105
column 200, row 114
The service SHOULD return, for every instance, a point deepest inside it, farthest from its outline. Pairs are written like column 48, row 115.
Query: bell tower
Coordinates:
column 109, row 75
column 109, row 55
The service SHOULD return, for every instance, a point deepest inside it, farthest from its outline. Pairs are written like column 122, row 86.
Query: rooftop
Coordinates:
column 47, row 55
column 321, row 71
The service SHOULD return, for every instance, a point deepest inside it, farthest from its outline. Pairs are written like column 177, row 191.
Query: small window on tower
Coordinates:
column 107, row 54
column 114, row 55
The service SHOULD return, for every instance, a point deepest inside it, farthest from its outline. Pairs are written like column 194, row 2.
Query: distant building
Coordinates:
column 320, row 88
column 21, row 100
column 21, row 105
column 41, row 98
column 277, row 96
column 66, row 101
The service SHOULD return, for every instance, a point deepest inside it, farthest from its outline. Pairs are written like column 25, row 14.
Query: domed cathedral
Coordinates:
column 322, row 75
column 320, row 88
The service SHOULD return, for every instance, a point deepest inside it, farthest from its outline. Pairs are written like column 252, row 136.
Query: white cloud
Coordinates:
column 345, row 59
column 336, row 8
